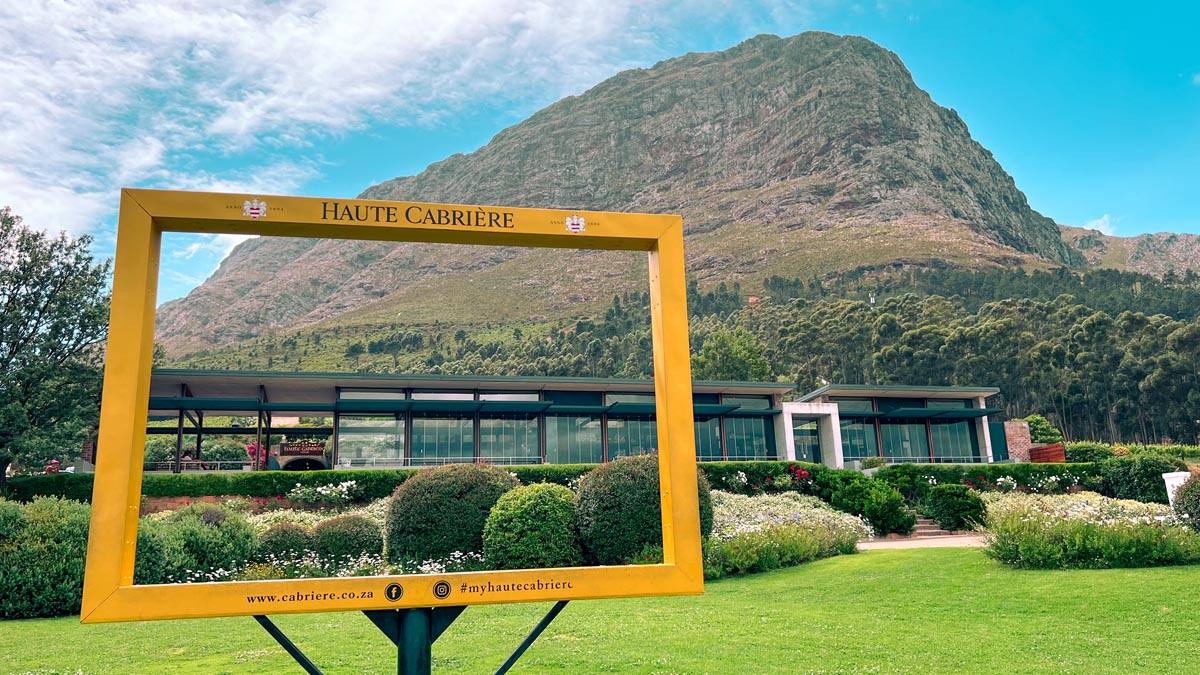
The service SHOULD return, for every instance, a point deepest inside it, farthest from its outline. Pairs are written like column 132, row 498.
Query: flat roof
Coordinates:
column 320, row 388
column 898, row 391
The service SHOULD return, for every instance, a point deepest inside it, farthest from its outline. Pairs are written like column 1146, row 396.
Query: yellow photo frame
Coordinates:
column 109, row 593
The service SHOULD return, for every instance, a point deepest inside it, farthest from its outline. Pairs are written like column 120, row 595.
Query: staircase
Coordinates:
column 927, row 528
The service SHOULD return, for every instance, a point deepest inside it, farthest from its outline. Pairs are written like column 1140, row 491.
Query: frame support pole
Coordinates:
column 288, row 645
column 533, row 635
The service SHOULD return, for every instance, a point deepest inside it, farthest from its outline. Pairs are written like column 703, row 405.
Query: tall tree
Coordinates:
column 55, row 315
column 731, row 355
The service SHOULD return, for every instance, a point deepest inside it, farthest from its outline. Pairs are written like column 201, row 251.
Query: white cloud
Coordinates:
column 169, row 93
column 1196, row 79
column 1104, row 224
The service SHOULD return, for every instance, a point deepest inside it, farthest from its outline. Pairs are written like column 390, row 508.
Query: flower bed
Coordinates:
column 757, row 534
column 1086, row 530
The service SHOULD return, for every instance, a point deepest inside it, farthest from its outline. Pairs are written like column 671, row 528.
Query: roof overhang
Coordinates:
column 886, row 391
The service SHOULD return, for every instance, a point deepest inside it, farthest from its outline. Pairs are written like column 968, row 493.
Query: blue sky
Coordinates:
column 1093, row 107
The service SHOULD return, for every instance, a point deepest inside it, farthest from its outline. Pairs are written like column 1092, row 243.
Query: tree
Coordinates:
column 55, row 315
column 732, row 355
column 1041, row 431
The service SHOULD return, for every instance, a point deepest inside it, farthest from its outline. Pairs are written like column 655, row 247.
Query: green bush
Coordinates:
column 1138, row 477
column 913, row 480
column 1187, row 501
column 348, row 536
column 204, row 538
column 618, row 511
column 760, row 476
column 42, row 555
column 955, row 507
column 285, row 539
column 530, row 527
column 1087, row 451
column 439, row 511
column 1035, row 543
column 154, row 562
column 766, row 549
column 372, row 484
column 879, row 503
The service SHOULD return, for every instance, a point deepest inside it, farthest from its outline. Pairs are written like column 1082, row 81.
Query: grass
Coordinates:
column 927, row 611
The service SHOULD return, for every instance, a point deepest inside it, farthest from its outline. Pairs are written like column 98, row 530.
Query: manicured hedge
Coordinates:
column 532, row 526
column 619, row 511
column 442, row 511
column 375, row 483
column 1138, row 477
column 912, row 480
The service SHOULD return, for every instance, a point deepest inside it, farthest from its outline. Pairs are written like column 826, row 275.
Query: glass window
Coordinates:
column 574, row 439
column 889, row 404
column 369, row 440
column 749, row 402
column 443, row 396
column 575, row 397
column 707, row 399
column 905, row 440
column 749, row 438
column 858, row 439
column 371, row 394
column 509, row 396
column 628, row 398
column 442, row 439
column 949, row 404
column 853, row 404
column 808, row 440
column 954, row 441
column 509, row 439
column 631, row 436
column 708, row 439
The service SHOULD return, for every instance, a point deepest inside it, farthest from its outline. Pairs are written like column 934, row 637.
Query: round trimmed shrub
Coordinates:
column 439, row 511
column 955, row 507
column 348, row 536
column 285, row 539
column 879, row 503
column 532, row 526
column 619, row 510
column 206, row 537
column 1187, row 501
column 41, row 558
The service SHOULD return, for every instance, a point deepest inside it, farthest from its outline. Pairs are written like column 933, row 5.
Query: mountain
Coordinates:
column 1154, row 254
column 790, row 157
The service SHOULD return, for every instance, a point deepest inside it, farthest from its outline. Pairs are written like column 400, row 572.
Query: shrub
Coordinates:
column 737, row 514
column 873, row 463
column 756, row 477
column 532, row 526
column 1187, row 501
column 1138, row 477
column 1029, row 541
column 42, row 557
column 153, row 563
column 879, row 503
column 1087, row 451
column 285, row 538
column 955, row 507
column 348, row 536
column 204, row 538
column 618, row 510
column 767, row 549
column 443, row 510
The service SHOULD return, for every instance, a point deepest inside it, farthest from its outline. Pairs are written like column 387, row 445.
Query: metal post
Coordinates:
column 533, row 635
column 415, row 643
column 288, row 646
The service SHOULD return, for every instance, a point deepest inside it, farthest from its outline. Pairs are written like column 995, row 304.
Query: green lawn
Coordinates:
column 899, row 611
